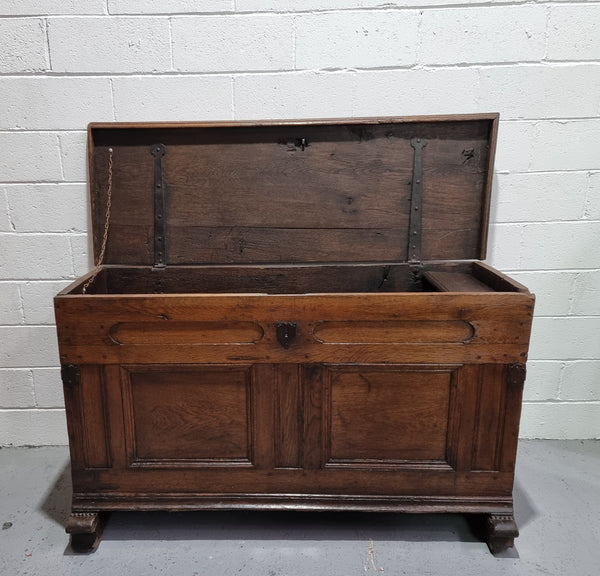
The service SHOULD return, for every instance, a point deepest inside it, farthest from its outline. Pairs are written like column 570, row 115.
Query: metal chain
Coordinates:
column 106, row 223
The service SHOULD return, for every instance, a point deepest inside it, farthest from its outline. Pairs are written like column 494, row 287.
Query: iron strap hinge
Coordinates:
column 160, row 220
column 415, row 232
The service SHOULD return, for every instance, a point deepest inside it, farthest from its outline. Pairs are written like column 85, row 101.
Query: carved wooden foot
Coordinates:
column 501, row 531
column 86, row 530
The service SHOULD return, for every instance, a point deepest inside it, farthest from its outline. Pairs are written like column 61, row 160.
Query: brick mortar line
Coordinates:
column 41, row 182
column 233, row 97
column 22, row 280
column 555, row 401
column 552, row 271
column 528, row 222
column 68, row 234
column 32, row 409
column 416, row 66
column 36, row 280
column 570, row 316
column 588, row 194
column 21, row 304
column 112, row 99
column 27, row 326
column 60, row 183
column 30, row 368
column 48, row 54
column 240, row 12
column 557, row 361
column 8, row 211
column 171, row 53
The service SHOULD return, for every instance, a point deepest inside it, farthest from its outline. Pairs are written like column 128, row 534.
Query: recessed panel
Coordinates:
column 193, row 415
column 393, row 331
column 189, row 332
column 385, row 415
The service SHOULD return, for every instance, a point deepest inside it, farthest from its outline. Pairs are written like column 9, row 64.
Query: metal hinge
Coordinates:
column 160, row 220
column 416, row 205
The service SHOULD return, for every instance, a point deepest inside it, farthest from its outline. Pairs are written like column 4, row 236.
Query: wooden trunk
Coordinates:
column 293, row 315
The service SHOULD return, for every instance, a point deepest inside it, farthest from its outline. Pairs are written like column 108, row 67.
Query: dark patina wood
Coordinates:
column 286, row 319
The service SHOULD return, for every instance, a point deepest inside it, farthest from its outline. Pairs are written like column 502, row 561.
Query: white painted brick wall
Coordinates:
column 33, row 427
column 229, row 43
column 543, row 380
column 11, row 308
column 35, row 256
column 36, row 297
column 29, row 156
column 483, row 35
column 17, row 389
column 566, row 145
column 592, row 203
column 28, row 346
column 64, row 63
column 540, row 196
column 415, row 91
column 47, row 207
column 23, row 44
column 47, row 393
column 109, row 44
column 48, row 7
column 42, row 103
column 73, row 156
column 292, row 95
column 169, row 6
column 541, row 90
column 574, row 32
column 357, row 39
column 560, row 419
column 148, row 98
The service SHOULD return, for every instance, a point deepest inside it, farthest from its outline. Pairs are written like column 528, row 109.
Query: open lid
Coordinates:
column 355, row 190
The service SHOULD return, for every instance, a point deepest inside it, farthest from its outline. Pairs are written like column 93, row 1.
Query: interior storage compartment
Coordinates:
column 367, row 278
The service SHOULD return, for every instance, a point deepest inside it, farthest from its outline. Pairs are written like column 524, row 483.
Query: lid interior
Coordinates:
column 330, row 191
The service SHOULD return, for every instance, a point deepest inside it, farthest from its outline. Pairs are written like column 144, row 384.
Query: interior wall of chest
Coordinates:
column 294, row 279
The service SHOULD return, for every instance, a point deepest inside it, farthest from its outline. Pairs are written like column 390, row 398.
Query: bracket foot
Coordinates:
column 501, row 531
column 86, row 530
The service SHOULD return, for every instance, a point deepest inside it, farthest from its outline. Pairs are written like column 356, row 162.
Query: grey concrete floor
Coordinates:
column 557, row 505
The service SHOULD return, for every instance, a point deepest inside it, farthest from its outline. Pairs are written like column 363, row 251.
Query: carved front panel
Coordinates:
column 189, row 416
column 387, row 416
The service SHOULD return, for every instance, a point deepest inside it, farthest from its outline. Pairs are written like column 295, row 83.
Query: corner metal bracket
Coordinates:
column 515, row 374
column 160, row 220
column 416, row 205
column 70, row 375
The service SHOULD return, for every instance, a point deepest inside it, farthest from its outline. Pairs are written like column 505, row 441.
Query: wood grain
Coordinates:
column 239, row 192
column 501, row 326
column 386, row 416
column 197, row 416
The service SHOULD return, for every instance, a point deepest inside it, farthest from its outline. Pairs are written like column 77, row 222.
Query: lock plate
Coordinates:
column 286, row 333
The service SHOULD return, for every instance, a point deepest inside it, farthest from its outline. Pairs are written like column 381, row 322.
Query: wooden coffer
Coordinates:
column 293, row 315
